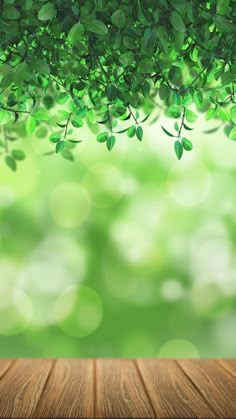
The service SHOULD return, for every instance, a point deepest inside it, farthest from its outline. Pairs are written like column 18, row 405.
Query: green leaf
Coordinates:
column 224, row 114
column 210, row 113
column 118, row 19
column 47, row 12
column 177, row 22
column 222, row 6
column 174, row 111
column 75, row 141
column 139, row 133
column 102, row 137
column 11, row 13
column 76, row 33
column 111, row 142
column 186, row 127
column 5, row 116
column 63, row 97
column 187, row 144
column 127, row 58
column 178, row 149
column 55, row 137
column 190, row 116
column 30, row 125
column 131, row 131
column 232, row 134
column 18, row 154
column 96, row 26
column 60, row 146
column 233, row 114
column 11, row 163
column 167, row 132
column 164, row 92
column 67, row 154
column 145, row 119
column 176, row 126
column 77, row 122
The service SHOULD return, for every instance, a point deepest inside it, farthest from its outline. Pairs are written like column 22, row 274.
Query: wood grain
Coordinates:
column 69, row 392
column 214, row 383
column 79, row 388
column 171, row 393
column 119, row 391
column 21, row 387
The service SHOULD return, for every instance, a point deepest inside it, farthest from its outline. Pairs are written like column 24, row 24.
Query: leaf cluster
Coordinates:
column 103, row 62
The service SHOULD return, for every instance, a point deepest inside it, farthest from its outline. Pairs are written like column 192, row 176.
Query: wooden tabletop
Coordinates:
column 117, row 388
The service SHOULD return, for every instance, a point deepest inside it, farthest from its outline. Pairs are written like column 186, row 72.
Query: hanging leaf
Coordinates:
column 178, row 149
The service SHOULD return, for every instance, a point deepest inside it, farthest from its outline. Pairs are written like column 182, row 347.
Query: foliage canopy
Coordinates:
column 101, row 61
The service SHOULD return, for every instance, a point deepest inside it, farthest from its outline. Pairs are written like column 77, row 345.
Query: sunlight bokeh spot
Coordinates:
column 16, row 312
column 7, row 196
column 172, row 290
column 178, row 348
column 78, row 311
column 69, row 205
column 189, row 186
column 105, row 185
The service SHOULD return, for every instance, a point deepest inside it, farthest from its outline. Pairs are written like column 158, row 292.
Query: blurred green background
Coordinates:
column 123, row 254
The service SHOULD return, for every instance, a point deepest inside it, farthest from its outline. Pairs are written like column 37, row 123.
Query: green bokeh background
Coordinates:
column 122, row 254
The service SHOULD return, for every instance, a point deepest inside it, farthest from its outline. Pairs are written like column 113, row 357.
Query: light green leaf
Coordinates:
column 233, row 114
column 187, row 144
column 30, row 125
column 232, row 134
column 174, row 111
column 5, row 116
column 118, row 18
column 18, row 154
column 55, row 137
column 177, row 22
column 96, row 26
column 11, row 163
column 190, row 116
column 102, row 137
column 76, row 33
column 47, row 12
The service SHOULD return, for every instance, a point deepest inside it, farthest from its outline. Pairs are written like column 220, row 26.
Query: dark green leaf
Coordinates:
column 111, row 142
column 178, row 149
column 167, row 132
column 60, row 146
column 139, row 133
column 118, row 18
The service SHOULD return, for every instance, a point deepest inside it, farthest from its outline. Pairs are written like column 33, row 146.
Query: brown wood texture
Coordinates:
column 115, row 388
column 214, row 383
column 119, row 391
column 69, row 391
column 172, row 394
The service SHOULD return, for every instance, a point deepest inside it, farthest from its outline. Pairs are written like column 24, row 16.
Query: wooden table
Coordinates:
column 117, row 388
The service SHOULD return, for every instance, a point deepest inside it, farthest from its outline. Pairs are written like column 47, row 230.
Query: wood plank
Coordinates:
column 21, row 387
column 69, row 391
column 229, row 365
column 119, row 390
column 4, row 366
column 213, row 382
column 171, row 393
